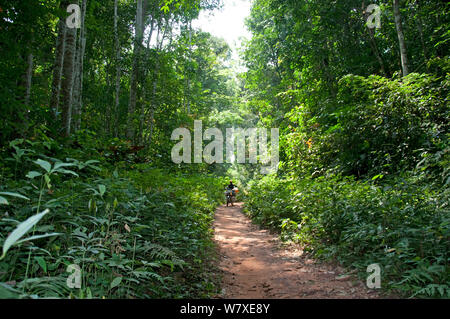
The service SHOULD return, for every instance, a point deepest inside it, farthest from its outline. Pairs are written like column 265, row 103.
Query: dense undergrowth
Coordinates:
column 133, row 231
column 404, row 227
column 371, row 184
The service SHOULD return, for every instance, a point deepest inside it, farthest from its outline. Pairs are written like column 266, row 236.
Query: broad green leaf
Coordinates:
column 92, row 205
column 7, row 292
column 116, row 282
column 59, row 165
column 44, row 164
column 102, row 189
column 377, row 176
column 33, row 174
column 65, row 171
column 41, row 262
column 3, row 201
column 16, row 142
column 14, row 195
column 91, row 162
column 47, row 181
column 21, row 230
column 37, row 237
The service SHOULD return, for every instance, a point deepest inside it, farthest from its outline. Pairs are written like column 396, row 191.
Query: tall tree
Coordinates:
column 373, row 43
column 58, row 64
column 68, row 79
column 401, row 37
column 139, row 35
column 117, row 61
column 79, row 68
column 28, row 78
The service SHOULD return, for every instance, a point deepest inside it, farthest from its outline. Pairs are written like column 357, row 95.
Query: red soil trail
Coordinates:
column 255, row 264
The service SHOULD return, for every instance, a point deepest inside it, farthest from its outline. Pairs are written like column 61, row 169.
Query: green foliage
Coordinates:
column 139, row 226
column 135, row 232
column 15, row 237
column 402, row 224
column 378, row 126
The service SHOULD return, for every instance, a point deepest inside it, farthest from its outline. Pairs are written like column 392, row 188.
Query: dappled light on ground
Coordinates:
column 255, row 265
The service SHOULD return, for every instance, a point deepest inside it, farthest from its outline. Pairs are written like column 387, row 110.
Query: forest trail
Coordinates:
column 255, row 265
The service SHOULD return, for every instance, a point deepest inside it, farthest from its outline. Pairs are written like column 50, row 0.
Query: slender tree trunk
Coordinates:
column 79, row 68
column 25, row 83
column 29, row 77
column 117, row 49
column 68, row 79
column 373, row 43
column 420, row 29
column 153, row 106
column 422, row 41
column 145, row 73
column 57, row 67
column 190, row 61
column 155, row 85
column 80, row 97
column 187, row 101
column 139, row 30
column 76, row 81
column 376, row 52
column 401, row 38
column 164, row 35
column 109, row 77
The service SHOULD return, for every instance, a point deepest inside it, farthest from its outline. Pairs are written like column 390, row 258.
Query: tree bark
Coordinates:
column 420, row 29
column 401, row 38
column 117, row 49
column 28, row 80
column 145, row 71
column 188, row 80
column 25, row 83
column 373, row 43
column 155, row 85
column 57, row 67
column 139, row 30
column 79, row 68
column 153, row 106
column 68, row 79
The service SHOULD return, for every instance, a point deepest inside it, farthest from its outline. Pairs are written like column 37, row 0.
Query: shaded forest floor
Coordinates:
column 255, row 264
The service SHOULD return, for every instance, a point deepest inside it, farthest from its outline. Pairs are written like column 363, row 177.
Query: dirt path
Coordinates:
column 255, row 265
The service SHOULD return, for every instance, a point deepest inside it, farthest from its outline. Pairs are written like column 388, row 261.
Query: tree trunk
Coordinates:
column 401, row 38
column 373, row 43
column 188, row 80
column 139, row 30
column 153, row 106
column 117, row 49
column 25, row 83
column 376, row 52
column 420, row 29
column 57, row 67
column 79, row 67
column 80, row 97
column 29, row 77
column 142, row 116
column 68, row 79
